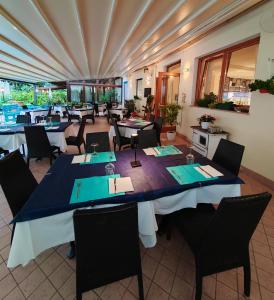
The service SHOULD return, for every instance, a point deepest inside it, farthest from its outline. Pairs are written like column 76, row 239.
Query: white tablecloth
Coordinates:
column 33, row 237
column 35, row 113
column 126, row 131
column 118, row 112
column 12, row 142
column 81, row 113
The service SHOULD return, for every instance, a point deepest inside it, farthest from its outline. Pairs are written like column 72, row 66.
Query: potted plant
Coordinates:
column 205, row 120
column 264, row 86
column 171, row 112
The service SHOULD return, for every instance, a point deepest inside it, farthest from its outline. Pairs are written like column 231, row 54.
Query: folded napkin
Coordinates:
column 187, row 174
column 150, row 151
column 208, row 171
column 92, row 188
column 77, row 159
column 123, row 184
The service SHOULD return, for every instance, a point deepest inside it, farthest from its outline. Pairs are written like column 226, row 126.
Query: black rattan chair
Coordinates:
column 89, row 117
column 111, row 252
column 54, row 118
column 38, row 143
column 72, row 116
column 38, row 119
column 220, row 239
column 229, row 155
column 79, row 139
column 101, row 138
column 158, row 124
column 96, row 109
column 147, row 138
column 25, row 119
column 17, row 181
column 119, row 140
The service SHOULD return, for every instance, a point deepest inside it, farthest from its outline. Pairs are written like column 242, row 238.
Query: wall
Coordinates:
column 254, row 130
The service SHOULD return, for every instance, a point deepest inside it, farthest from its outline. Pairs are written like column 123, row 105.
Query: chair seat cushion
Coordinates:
column 192, row 223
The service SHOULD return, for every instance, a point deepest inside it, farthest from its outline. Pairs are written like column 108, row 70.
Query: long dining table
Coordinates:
column 12, row 136
column 46, row 219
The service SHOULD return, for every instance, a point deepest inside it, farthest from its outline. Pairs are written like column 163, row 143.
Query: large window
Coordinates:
column 223, row 77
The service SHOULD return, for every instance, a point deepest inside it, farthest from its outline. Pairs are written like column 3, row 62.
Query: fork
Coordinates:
column 78, row 189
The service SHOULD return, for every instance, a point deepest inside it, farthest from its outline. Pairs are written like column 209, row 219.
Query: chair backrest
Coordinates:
column 147, row 138
column 151, row 118
column 39, row 119
column 80, row 135
column 229, row 155
column 96, row 108
column 158, row 124
column 117, row 132
column 37, row 141
column 226, row 238
column 54, row 118
column 101, row 138
column 16, row 180
column 26, row 119
column 111, row 251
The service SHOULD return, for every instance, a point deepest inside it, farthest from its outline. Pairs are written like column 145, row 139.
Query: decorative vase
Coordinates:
column 264, row 91
column 204, row 125
column 171, row 135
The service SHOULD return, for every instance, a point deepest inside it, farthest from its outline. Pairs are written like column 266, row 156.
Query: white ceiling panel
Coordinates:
column 56, row 40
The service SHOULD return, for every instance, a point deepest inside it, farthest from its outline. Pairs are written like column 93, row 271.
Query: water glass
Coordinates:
column 110, row 169
column 190, row 159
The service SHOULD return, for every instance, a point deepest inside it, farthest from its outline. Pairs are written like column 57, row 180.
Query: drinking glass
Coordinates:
column 190, row 157
column 94, row 145
column 110, row 169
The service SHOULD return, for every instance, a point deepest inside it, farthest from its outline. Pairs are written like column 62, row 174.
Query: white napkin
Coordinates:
column 123, row 184
column 202, row 172
column 53, row 127
column 150, row 151
column 211, row 171
column 77, row 159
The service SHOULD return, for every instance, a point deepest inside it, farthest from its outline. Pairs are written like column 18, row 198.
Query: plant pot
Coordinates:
column 264, row 91
column 171, row 135
column 204, row 125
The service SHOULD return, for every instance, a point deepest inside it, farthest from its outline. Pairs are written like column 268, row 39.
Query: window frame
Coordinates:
column 226, row 54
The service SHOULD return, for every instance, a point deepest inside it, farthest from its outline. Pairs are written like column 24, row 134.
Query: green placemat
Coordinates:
column 101, row 157
column 92, row 188
column 167, row 150
column 186, row 174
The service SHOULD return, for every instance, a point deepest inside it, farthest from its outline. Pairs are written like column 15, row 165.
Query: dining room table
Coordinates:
column 81, row 111
column 130, row 126
column 163, row 184
column 12, row 135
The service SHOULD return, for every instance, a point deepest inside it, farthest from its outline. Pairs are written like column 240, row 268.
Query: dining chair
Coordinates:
column 229, row 155
column 112, row 250
column 49, row 111
column 119, row 140
column 38, row 144
column 100, row 138
column 78, row 140
column 96, row 109
column 17, row 182
column 3, row 151
column 89, row 117
column 72, row 116
column 38, row 119
column 54, row 118
column 158, row 124
column 25, row 119
column 147, row 138
column 220, row 239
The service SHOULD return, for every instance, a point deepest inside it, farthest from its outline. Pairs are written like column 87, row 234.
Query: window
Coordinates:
column 227, row 75
column 139, row 88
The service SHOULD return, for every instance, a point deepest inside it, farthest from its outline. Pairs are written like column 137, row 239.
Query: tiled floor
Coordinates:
column 168, row 269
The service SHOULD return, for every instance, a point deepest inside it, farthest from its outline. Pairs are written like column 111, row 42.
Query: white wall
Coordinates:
column 254, row 130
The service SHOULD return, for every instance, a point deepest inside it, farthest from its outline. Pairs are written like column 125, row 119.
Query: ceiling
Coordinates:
column 56, row 40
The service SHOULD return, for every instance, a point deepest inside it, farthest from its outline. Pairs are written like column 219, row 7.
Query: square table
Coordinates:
column 46, row 220
column 131, row 126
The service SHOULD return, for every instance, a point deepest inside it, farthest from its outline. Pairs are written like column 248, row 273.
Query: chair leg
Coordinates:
column 79, row 148
column 71, row 252
column 23, row 150
column 12, row 232
column 28, row 161
column 199, row 285
column 140, row 286
column 247, row 279
column 78, row 295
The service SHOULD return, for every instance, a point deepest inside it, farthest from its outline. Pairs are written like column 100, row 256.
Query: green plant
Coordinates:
column 208, row 99
column 263, row 85
column 206, row 118
column 171, row 112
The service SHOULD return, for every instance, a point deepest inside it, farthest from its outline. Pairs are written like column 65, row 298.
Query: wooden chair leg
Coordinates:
column 140, row 286
column 199, row 286
column 247, row 278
